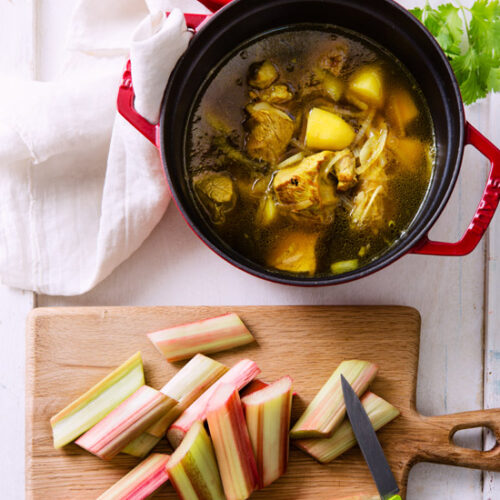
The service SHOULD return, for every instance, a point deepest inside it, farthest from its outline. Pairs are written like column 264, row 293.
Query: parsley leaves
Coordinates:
column 470, row 37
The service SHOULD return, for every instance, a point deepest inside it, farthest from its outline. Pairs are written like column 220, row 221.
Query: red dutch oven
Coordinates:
column 384, row 21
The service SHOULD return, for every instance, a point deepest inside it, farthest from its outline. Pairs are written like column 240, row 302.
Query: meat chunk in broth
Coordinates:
column 277, row 94
column 334, row 60
column 262, row 75
column 217, row 194
column 345, row 170
column 303, row 190
column 271, row 130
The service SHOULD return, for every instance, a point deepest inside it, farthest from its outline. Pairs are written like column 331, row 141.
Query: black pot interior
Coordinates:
column 386, row 23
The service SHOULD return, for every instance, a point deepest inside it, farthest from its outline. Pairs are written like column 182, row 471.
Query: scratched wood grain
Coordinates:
column 70, row 349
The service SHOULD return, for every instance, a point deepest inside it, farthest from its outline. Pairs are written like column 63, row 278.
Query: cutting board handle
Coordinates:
column 438, row 445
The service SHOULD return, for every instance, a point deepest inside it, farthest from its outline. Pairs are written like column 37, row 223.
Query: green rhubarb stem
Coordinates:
column 97, row 402
column 238, row 377
column 327, row 410
column 209, row 335
column 231, row 440
column 186, row 386
column 192, row 469
column 267, row 414
column 141, row 481
column 380, row 413
column 126, row 422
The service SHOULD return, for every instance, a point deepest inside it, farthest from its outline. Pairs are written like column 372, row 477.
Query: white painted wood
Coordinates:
column 492, row 318
column 17, row 37
column 173, row 267
column 17, row 58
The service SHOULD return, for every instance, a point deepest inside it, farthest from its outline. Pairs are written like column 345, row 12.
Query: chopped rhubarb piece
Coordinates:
column 209, row 335
column 238, row 377
column 327, row 410
column 192, row 468
column 141, row 481
column 233, row 448
column 267, row 414
column 253, row 386
column 324, row 450
column 186, row 386
column 141, row 445
column 126, row 422
column 97, row 402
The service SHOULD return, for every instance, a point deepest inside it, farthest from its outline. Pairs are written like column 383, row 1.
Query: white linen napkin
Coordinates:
column 80, row 188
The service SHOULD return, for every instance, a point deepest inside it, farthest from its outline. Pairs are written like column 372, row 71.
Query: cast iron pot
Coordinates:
column 391, row 26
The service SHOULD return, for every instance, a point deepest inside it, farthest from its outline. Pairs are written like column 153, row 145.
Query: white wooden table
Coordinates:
column 459, row 298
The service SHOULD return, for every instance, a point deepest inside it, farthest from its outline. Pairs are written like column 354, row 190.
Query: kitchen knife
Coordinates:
column 369, row 444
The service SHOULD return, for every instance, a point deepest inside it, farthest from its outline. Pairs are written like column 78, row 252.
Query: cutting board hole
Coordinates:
column 474, row 439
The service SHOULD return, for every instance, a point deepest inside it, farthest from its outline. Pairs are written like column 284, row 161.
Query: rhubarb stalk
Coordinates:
column 192, row 468
column 238, row 377
column 324, row 450
column 327, row 410
column 267, row 413
column 233, row 448
column 254, row 386
column 126, row 422
column 186, row 386
column 141, row 481
column 97, row 402
column 209, row 335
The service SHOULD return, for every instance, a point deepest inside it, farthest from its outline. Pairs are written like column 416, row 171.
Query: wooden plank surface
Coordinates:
column 307, row 343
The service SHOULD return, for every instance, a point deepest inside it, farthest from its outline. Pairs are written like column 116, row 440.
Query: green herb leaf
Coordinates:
column 475, row 60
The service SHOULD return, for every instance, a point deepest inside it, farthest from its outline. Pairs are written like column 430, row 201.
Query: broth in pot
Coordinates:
column 310, row 150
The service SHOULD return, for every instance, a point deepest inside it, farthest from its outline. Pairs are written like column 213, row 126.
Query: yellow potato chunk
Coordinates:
column 401, row 110
column 367, row 85
column 267, row 212
column 295, row 252
column 409, row 152
column 328, row 131
column 333, row 86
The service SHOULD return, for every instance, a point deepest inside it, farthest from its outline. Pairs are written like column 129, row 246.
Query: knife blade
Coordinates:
column 369, row 444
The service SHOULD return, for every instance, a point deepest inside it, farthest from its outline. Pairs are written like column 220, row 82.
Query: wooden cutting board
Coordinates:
column 71, row 349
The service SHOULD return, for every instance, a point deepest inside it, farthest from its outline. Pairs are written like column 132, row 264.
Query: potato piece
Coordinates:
column 401, row 110
column 262, row 75
column 333, row 86
column 328, row 131
column 409, row 152
column 295, row 252
column 267, row 211
column 367, row 85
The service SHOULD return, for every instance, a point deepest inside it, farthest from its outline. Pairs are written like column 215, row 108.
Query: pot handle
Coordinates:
column 214, row 5
column 485, row 210
column 126, row 96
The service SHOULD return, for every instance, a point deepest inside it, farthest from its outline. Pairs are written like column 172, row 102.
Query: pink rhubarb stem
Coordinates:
column 238, row 377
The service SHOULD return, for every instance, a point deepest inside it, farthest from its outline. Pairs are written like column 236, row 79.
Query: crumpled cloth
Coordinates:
column 80, row 188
